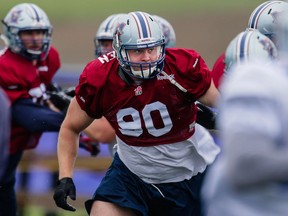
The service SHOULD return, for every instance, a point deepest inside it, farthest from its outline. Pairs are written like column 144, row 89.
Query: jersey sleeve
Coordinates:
column 53, row 64
column 89, row 89
column 192, row 72
column 218, row 70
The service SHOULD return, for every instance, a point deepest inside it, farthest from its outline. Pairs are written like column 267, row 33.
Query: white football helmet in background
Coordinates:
column 105, row 31
column 265, row 17
column 168, row 31
column 23, row 17
column 249, row 45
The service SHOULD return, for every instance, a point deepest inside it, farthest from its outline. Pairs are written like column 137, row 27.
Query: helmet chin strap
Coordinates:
column 173, row 81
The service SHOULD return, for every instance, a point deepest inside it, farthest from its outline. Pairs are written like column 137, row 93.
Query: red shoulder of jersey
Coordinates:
column 92, row 81
column 49, row 66
column 189, row 69
column 218, row 70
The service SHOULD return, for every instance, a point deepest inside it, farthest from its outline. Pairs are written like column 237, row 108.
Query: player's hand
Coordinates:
column 65, row 187
column 60, row 100
column 206, row 116
column 52, row 106
column 70, row 91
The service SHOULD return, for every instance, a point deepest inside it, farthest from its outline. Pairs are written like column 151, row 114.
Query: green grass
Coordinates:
column 33, row 210
column 89, row 9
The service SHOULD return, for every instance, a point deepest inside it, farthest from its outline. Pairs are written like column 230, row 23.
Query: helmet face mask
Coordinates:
column 142, row 69
column 102, row 46
column 27, row 17
column 139, row 31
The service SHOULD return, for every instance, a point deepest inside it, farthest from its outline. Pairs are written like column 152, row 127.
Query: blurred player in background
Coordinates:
column 4, row 130
column 149, row 99
column 104, row 35
column 100, row 130
column 250, row 176
column 249, row 45
column 168, row 31
column 264, row 18
column 27, row 67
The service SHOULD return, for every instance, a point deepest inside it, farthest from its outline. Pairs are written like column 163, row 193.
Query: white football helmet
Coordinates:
column 249, row 45
column 265, row 17
column 282, row 38
column 168, row 31
column 105, row 32
column 23, row 17
column 139, row 30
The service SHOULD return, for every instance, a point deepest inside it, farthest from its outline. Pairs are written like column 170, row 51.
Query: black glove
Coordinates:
column 58, row 96
column 70, row 91
column 65, row 187
column 60, row 100
column 53, row 87
column 206, row 117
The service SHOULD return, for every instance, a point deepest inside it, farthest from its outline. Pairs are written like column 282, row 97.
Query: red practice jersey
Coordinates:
column 154, row 112
column 17, row 77
column 218, row 70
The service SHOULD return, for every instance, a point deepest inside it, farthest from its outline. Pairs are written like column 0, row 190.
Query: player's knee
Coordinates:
column 108, row 209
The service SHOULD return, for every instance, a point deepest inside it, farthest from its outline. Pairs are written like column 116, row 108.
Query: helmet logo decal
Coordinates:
column 15, row 16
column 276, row 15
column 120, row 27
column 267, row 46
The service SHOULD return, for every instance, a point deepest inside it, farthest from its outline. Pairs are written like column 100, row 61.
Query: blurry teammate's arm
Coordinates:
column 75, row 121
column 100, row 130
column 211, row 96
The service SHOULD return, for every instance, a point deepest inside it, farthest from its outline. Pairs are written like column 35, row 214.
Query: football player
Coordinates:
column 148, row 96
column 27, row 66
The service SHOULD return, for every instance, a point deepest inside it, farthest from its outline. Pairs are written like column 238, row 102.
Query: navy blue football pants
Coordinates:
column 124, row 188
